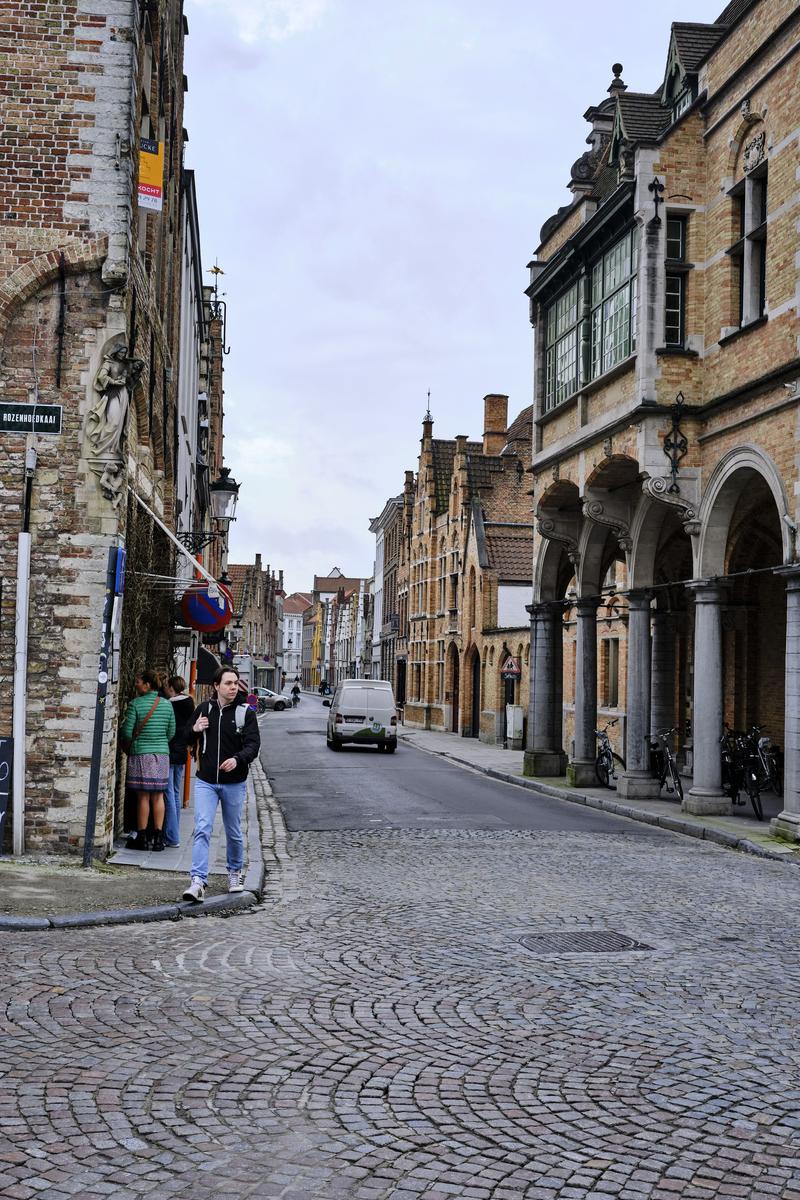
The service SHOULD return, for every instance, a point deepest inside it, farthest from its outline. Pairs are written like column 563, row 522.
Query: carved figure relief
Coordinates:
column 754, row 151
column 107, row 419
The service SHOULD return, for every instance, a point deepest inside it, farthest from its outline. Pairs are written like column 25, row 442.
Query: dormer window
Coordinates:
column 681, row 103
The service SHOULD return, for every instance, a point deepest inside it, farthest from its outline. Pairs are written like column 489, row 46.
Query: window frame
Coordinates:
column 609, row 292
column 560, row 339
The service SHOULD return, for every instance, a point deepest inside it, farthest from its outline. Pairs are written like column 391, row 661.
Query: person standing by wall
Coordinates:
column 146, row 731
column 226, row 734
column 183, row 707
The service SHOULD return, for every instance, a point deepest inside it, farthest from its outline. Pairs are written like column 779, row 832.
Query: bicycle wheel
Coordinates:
column 751, row 783
column 617, row 762
column 603, row 766
column 676, row 781
column 775, row 777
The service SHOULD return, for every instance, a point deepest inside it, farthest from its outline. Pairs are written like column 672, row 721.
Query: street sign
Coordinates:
column 30, row 418
column 510, row 669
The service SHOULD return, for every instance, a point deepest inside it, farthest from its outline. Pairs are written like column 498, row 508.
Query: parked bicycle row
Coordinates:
column 751, row 764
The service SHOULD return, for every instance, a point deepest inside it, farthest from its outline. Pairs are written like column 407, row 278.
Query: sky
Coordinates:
column 372, row 178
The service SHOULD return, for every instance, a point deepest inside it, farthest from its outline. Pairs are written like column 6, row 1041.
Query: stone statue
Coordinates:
column 107, row 419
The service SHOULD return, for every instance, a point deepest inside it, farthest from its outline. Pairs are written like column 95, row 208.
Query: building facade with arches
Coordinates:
column 664, row 299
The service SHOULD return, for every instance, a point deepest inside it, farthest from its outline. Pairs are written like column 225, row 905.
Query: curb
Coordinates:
column 228, row 902
column 674, row 824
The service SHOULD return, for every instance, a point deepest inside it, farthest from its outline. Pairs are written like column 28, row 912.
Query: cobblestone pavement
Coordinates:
column 377, row 1030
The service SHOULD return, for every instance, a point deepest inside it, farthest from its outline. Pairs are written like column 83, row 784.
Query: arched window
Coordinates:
column 472, row 595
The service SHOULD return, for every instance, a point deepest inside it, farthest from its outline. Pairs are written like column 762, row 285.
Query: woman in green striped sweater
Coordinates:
column 150, row 723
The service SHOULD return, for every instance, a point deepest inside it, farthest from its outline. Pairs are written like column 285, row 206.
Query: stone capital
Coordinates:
column 708, row 591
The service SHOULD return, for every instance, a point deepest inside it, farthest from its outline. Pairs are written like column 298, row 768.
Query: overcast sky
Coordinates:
column 372, row 177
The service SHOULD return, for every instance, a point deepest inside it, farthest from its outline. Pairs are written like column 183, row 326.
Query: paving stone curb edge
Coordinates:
column 674, row 824
column 215, row 905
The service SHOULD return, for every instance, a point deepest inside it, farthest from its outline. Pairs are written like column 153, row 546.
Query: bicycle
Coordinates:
column 741, row 768
column 662, row 761
column 767, row 761
column 607, row 760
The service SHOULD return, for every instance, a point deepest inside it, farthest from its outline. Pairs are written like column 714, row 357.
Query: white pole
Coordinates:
column 20, row 687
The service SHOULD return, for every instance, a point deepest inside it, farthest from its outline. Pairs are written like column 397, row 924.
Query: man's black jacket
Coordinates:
column 222, row 740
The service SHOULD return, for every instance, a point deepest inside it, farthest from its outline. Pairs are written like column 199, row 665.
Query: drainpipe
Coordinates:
column 21, row 658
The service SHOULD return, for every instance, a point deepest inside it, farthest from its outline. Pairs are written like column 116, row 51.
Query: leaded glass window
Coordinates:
column 561, row 353
column 614, row 305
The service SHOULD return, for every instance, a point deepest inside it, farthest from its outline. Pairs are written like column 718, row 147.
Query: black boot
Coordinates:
column 158, row 840
column 138, row 841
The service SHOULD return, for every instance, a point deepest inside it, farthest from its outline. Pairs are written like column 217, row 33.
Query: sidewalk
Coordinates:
column 131, row 886
column 740, row 831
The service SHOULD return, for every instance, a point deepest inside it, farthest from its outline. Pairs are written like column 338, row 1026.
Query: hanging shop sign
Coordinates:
column 30, row 418
column 151, row 174
column 206, row 612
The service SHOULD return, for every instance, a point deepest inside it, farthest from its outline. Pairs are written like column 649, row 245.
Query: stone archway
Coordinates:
column 740, row 615
column 453, row 686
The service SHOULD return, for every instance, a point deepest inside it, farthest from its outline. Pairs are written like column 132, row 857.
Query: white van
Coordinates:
column 362, row 711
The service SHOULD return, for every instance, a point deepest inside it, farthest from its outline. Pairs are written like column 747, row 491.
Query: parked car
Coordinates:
column 271, row 699
column 362, row 712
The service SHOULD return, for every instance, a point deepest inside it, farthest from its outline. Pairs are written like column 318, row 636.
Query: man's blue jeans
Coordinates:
column 173, row 803
column 206, row 797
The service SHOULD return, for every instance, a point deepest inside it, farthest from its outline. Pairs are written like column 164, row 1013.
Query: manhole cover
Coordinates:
column 581, row 941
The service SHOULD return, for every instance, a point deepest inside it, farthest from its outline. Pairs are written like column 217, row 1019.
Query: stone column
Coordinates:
column 706, row 795
column 544, row 754
column 581, row 771
column 788, row 823
column 662, row 672
column 637, row 780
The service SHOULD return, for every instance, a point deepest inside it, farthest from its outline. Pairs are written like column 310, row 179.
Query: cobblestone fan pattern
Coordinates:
column 376, row 1030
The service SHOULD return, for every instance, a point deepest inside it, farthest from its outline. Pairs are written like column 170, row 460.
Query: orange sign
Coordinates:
column 151, row 174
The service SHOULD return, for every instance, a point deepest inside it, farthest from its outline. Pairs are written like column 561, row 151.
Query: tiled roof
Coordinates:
column 694, row 41
column 444, row 453
column 237, row 573
column 328, row 584
column 520, row 429
column 298, row 602
column 510, row 549
column 643, row 116
column 480, row 471
column 731, row 13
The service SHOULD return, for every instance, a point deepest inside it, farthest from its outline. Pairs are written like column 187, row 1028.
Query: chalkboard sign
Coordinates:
column 6, row 760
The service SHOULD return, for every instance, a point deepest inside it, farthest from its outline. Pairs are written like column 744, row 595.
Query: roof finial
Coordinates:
column 428, row 416
column 617, row 85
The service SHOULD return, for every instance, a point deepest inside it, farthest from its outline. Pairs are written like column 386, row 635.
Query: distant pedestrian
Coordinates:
column 183, row 707
column 226, row 735
column 146, row 731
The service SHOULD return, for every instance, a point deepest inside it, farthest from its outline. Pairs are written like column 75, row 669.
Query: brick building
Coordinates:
column 90, row 319
column 664, row 299
column 258, row 615
column 464, row 578
column 387, row 528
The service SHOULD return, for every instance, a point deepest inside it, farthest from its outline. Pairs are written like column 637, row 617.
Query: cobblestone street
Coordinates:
column 376, row 1029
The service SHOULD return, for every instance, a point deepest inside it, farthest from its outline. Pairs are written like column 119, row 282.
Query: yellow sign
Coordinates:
column 151, row 174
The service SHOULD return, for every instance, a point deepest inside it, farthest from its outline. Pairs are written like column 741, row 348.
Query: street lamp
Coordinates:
column 224, row 493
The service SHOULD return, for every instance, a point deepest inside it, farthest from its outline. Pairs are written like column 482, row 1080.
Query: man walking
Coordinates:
column 226, row 732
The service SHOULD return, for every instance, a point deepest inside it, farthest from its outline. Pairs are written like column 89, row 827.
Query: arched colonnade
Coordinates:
column 713, row 619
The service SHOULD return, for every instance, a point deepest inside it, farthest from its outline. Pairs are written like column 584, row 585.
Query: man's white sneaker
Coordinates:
column 235, row 881
column 196, row 890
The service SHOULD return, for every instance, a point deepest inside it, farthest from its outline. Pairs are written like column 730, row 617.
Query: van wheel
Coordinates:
column 390, row 747
column 334, row 745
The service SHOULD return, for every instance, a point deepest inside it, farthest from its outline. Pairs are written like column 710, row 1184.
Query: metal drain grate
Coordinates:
column 581, row 941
